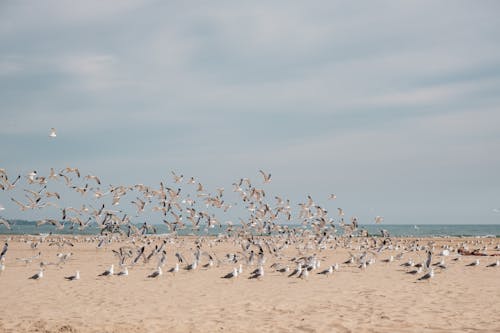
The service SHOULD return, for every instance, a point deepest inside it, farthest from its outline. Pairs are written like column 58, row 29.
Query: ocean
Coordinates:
column 395, row 230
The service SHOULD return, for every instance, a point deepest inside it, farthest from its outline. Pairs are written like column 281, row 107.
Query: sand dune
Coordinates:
column 382, row 298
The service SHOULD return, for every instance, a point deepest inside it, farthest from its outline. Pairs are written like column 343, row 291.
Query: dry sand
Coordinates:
column 380, row 299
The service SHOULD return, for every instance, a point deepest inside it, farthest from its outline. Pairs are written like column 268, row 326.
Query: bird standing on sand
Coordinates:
column 108, row 272
column 38, row 275
column 304, row 274
column 233, row 274
column 156, row 273
column 327, row 271
column 297, row 271
column 429, row 260
column 174, row 269
column 73, row 277
column 4, row 250
column 258, row 273
column 474, row 263
column 427, row 276
column 495, row 264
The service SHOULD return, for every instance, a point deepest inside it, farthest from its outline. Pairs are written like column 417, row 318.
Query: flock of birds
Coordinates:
column 199, row 210
column 288, row 254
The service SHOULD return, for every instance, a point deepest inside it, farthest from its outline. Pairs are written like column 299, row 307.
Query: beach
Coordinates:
column 380, row 298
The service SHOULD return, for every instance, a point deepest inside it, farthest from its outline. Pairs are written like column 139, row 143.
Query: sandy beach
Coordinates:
column 380, row 298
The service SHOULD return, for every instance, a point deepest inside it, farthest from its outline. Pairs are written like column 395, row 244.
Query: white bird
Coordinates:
column 341, row 211
column 379, row 219
column 2, row 265
column 415, row 271
column 73, row 277
column 474, row 263
column 327, row 271
column 108, row 272
column 304, row 274
column 38, row 275
column 258, row 273
column 4, row 222
column 266, row 176
column 429, row 275
column 409, row 263
column 442, row 264
column 495, row 264
column 297, row 270
column 156, row 273
column 193, row 266
column 174, row 269
column 445, row 253
column 124, row 272
column 233, row 274
column 390, row 259
column 52, row 133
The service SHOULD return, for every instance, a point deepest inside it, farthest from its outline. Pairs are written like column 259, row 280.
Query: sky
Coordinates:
column 394, row 106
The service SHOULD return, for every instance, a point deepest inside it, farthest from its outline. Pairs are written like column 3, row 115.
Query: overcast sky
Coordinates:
column 394, row 106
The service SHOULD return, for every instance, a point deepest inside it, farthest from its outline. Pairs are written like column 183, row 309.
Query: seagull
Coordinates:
column 233, row 274
column 156, row 273
column 304, row 274
column 409, row 263
column 350, row 260
column 495, row 264
column 327, row 271
column 38, row 275
column 4, row 222
column 285, row 269
column 108, row 272
column 429, row 275
column 192, row 266
column 258, row 273
column 73, row 277
column 442, row 264
column 267, row 176
column 379, row 219
column 474, row 263
column 429, row 260
column 297, row 271
column 124, row 272
column 4, row 250
column 52, row 133
column 2, row 265
column 415, row 271
column 390, row 259
column 174, row 269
